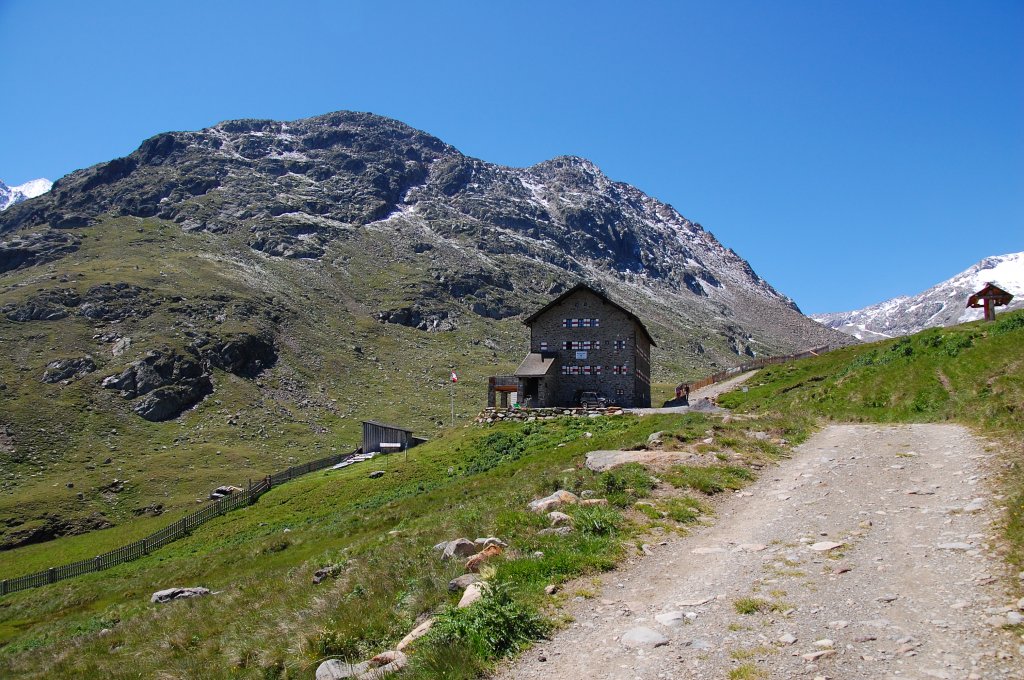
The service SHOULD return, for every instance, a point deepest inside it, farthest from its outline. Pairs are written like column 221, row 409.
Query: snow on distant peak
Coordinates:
column 16, row 194
column 944, row 304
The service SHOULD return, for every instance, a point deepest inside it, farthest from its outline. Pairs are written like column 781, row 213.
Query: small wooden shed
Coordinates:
column 990, row 297
column 384, row 438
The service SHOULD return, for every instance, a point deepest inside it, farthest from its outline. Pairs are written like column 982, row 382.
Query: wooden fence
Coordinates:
column 750, row 366
column 173, row 532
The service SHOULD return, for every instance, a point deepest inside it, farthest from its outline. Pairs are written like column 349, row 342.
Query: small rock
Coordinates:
column 594, row 501
column 643, row 637
column 814, row 656
column 555, row 531
column 955, row 546
column 325, row 572
column 551, row 589
column 474, row 563
column 669, row 618
column 824, row 643
column 415, row 634
column 554, row 501
column 824, row 546
column 558, row 519
column 787, row 639
column 376, row 474
column 457, row 585
column 888, row 598
column 489, row 541
column 474, row 591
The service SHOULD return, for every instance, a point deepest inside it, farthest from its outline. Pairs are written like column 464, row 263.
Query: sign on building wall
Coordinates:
column 581, row 355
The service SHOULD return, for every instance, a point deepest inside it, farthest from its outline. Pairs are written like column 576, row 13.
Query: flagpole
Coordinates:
column 452, row 380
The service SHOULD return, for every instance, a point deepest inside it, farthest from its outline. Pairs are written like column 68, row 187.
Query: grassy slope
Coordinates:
column 972, row 373
column 268, row 620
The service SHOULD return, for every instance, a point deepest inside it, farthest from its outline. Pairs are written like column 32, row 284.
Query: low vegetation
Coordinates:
column 267, row 620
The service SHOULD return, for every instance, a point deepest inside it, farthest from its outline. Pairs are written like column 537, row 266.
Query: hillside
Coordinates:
column 944, row 304
column 221, row 303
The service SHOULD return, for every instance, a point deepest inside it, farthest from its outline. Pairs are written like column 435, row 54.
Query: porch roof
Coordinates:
column 536, row 365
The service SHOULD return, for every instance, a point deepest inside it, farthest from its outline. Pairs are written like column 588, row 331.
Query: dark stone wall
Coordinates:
column 628, row 389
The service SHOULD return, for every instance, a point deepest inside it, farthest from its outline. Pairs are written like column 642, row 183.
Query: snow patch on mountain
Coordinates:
column 944, row 304
column 10, row 195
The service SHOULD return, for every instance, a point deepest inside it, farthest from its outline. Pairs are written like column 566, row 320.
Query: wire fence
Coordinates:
column 173, row 532
column 750, row 366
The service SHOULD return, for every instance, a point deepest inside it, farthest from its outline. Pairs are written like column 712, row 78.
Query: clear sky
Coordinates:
column 851, row 151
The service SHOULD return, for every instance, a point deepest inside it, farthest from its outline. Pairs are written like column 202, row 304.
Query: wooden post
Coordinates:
column 3, row 587
column 50, row 575
column 990, row 309
column 145, row 547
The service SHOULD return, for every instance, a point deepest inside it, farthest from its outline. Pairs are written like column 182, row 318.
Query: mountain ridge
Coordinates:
column 9, row 195
column 944, row 304
column 235, row 299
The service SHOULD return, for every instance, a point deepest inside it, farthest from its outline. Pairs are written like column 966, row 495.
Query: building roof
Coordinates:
column 535, row 365
column 390, row 427
column 604, row 298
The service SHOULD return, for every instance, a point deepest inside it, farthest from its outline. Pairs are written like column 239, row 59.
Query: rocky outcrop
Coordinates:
column 244, row 354
column 168, row 382
column 171, row 594
column 495, row 241
column 25, row 250
column 105, row 302
column 67, row 369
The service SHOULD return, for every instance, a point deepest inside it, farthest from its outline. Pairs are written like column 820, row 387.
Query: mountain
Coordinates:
column 11, row 195
column 944, row 304
column 221, row 302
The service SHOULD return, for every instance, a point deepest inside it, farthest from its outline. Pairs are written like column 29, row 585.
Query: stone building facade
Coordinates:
column 584, row 342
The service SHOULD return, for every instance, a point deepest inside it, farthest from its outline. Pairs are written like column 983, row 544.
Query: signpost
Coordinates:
column 455, row 379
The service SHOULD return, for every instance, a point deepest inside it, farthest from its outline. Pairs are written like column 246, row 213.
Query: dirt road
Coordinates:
column 911, row 591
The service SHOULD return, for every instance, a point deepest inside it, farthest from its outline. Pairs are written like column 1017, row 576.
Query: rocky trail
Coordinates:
column 871, row 553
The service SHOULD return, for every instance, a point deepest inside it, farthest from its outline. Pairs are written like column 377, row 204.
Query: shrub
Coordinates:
column 595, row 520
column 493, row 627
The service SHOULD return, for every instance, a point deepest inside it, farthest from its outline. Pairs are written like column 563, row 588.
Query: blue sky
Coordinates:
column 851, row 151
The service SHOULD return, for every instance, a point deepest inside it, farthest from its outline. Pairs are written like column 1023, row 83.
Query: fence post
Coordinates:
column 3, row 587
column 145, row 547
column 96, row 563
column 50, row 575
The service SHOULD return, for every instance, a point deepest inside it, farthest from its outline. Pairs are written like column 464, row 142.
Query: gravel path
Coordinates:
column 911, row 592
column 699, row 399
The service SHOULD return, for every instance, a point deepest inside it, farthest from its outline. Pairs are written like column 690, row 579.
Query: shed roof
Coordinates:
column 990, row 291
column 385, row 425
column 535, row 365
column 604, row 298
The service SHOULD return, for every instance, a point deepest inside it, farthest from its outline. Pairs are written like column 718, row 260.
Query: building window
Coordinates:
column 543, row 347
column 620, row 370
column 619, row 392
column 581, row 323
column 581, row 370
column 620, row 345
column 581, row 344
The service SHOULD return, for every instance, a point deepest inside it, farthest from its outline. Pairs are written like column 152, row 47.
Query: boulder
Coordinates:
column 169, row 594
column 457, row 585
column 554, row 501
column 474, row 563
column 377, row 667
column 460, row 547
column 643, row 637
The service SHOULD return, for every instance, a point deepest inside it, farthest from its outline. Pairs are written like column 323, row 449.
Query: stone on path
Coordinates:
column 707, row 551
column 669, row 618
column 169, row 594
column 787, row 639
column 642, row 636
column 955, row 546
column 824, row 546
